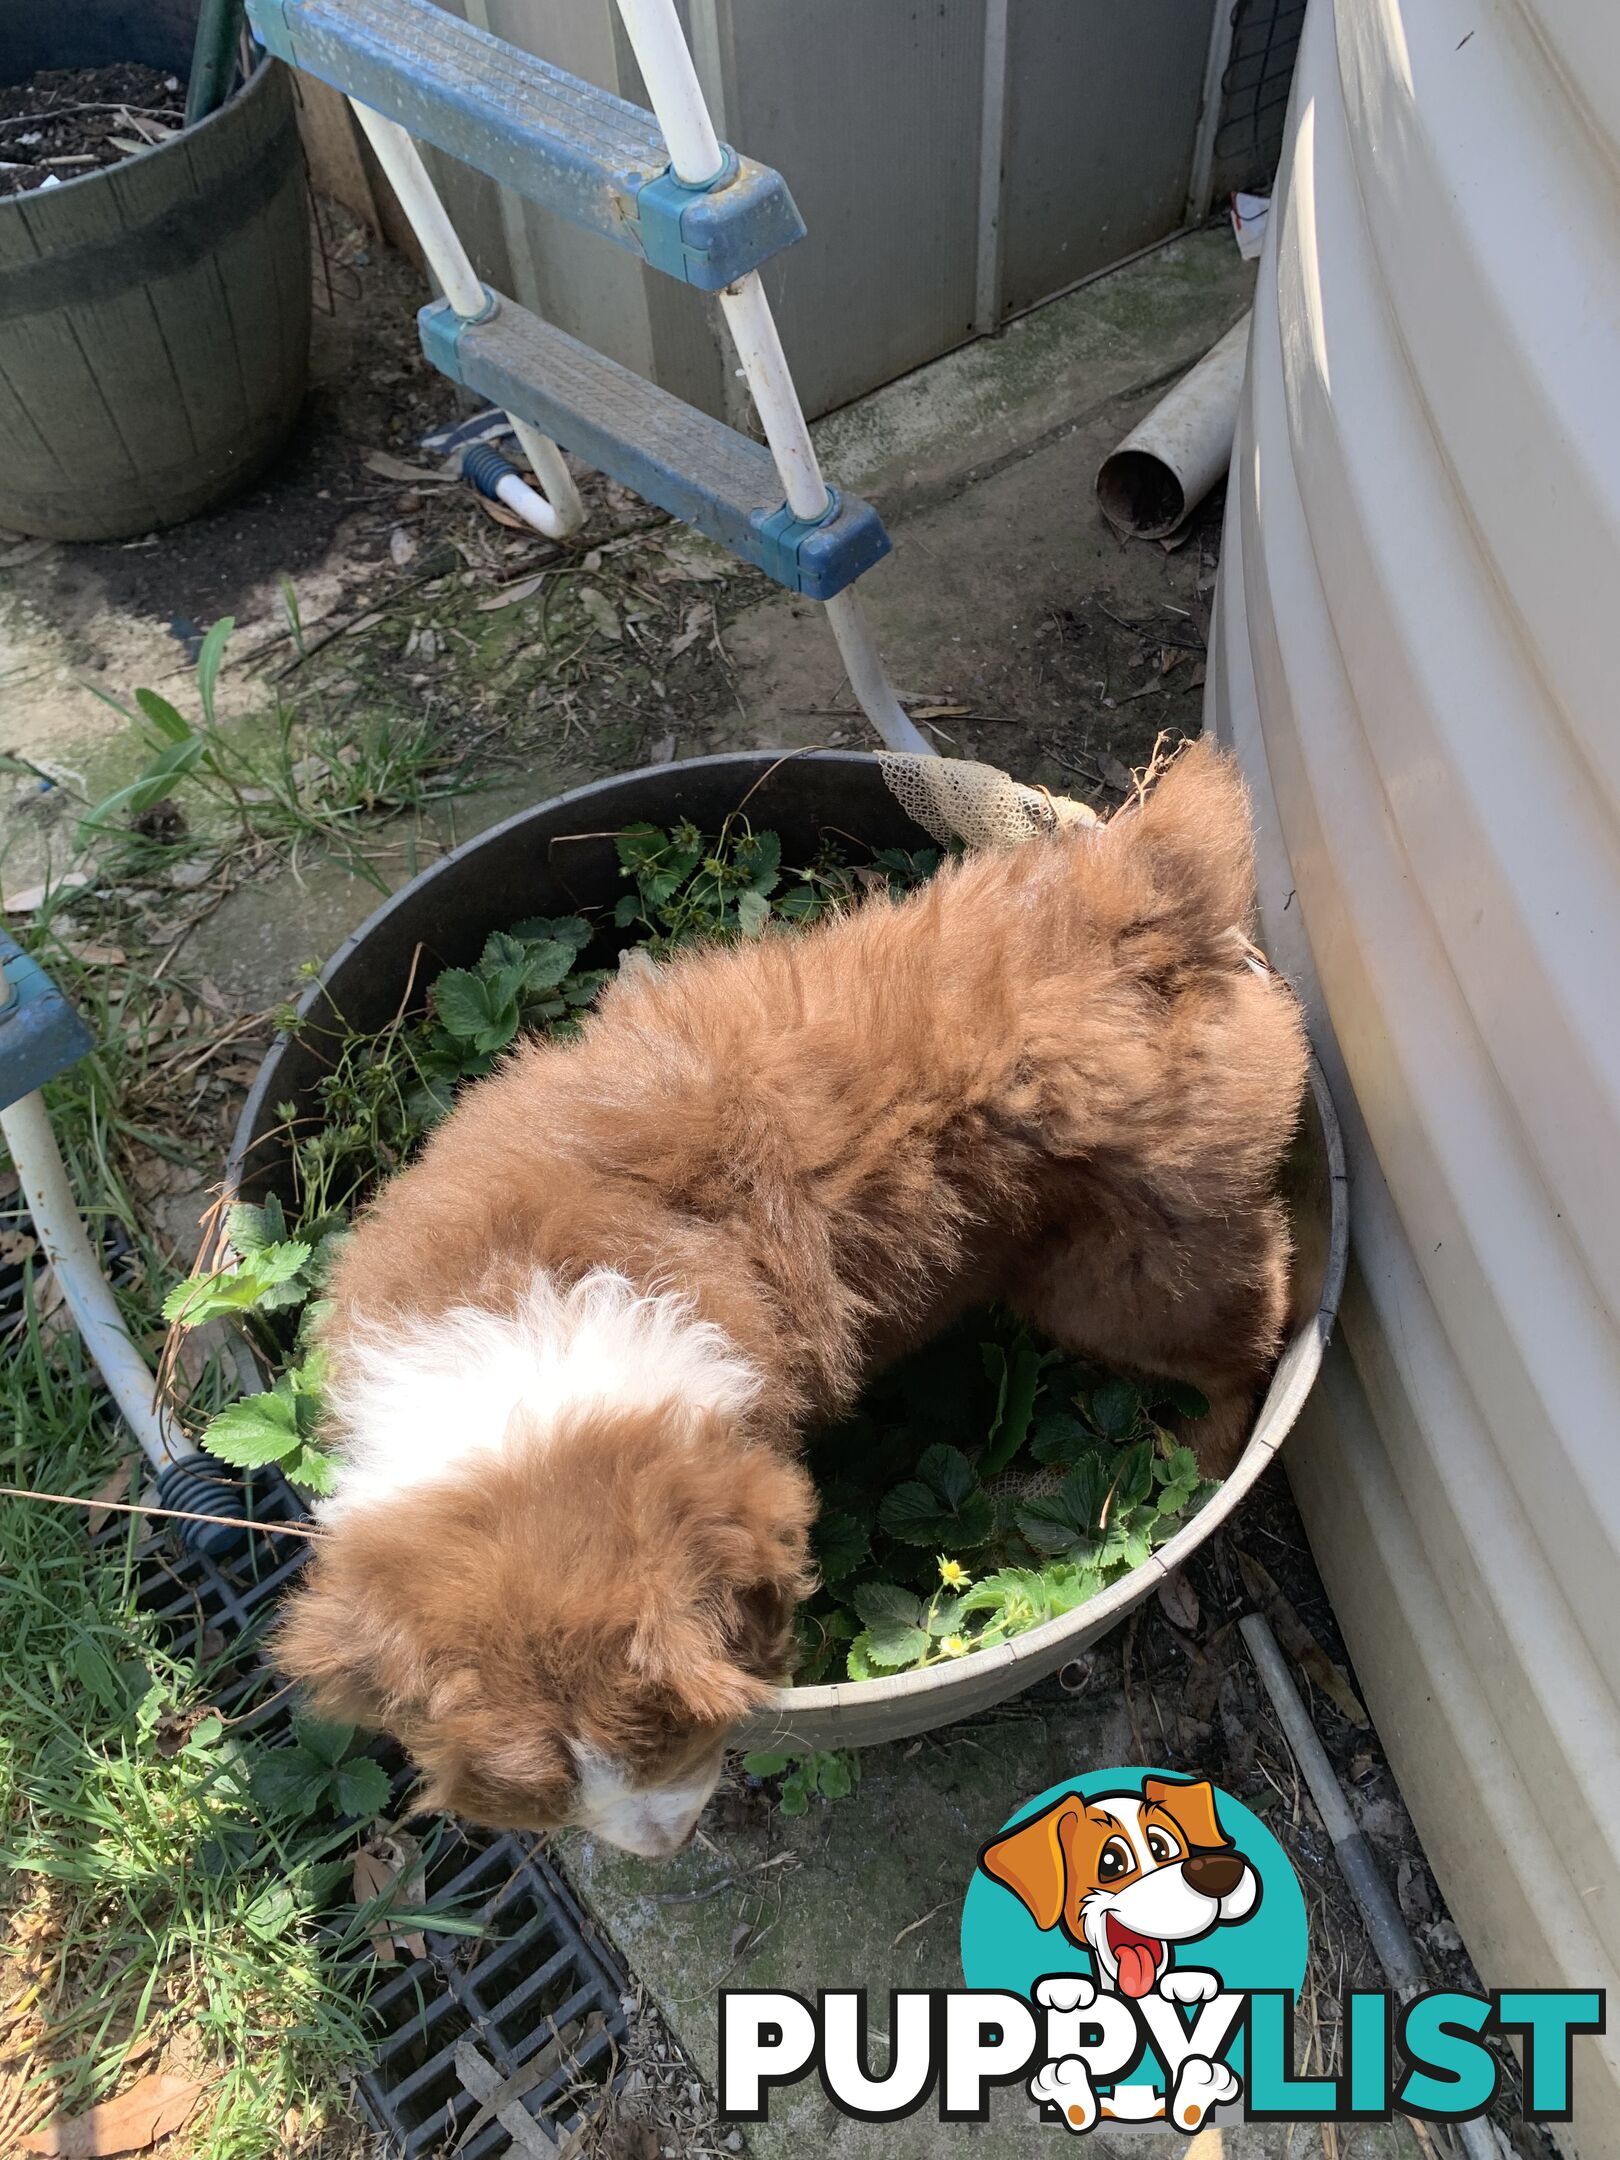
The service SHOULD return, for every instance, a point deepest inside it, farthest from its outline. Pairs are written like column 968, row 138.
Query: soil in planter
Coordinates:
column 983, row 1487
column 65, row 122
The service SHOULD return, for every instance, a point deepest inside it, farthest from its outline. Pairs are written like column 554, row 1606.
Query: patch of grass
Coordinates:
column 165, row 1904
column 158, row 1910
column 280, row 782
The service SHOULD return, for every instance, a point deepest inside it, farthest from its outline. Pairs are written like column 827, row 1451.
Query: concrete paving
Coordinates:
column 867, row 1892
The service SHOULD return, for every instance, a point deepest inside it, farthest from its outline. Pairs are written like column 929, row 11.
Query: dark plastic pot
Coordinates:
column 154, row 315
column 559, row 857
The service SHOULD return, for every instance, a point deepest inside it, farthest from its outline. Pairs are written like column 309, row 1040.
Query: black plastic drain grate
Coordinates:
column 536, row 1996
column 217, row 1606
column 538, row 1989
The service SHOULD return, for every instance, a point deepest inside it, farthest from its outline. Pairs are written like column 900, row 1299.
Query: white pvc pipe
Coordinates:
column 660, row 47
column 449, row 261
column 776, row 400
column 563, row 512
column 864, row 667
column 519, row 496
column 57, row 1224
column 559, row 511
column 1165, row 467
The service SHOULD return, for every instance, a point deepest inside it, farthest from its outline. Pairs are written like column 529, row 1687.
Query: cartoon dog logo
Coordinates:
column 1129, row 1877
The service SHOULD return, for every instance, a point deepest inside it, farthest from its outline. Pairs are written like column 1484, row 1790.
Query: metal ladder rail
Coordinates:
column 682, row 112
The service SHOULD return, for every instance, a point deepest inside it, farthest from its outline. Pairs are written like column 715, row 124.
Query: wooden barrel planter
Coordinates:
column 154, row 315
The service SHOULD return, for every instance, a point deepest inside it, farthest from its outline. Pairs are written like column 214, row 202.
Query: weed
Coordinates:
column 282, row 781
column 321, row 1768
column 828, row 1774
column 161, row 1900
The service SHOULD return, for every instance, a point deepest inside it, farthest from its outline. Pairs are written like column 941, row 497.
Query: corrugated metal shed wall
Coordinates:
column 957, row 161
column 1415, row 659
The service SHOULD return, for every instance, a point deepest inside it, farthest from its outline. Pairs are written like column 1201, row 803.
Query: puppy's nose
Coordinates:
column 1214, row 1874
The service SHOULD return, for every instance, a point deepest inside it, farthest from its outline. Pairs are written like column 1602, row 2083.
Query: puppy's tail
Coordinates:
column 1189, row 849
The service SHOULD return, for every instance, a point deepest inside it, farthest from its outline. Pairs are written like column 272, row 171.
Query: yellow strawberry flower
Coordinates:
column 954, row 1645
column 953, row 1574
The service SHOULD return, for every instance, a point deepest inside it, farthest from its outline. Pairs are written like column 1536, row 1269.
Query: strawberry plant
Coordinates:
column 320, row 1768
column 828, row 1775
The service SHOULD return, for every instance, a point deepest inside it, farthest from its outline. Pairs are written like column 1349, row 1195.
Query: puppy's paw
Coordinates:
column 1065, row 1991
column 1066, row 2086
column 1190, row 1986
column 1200, row 2086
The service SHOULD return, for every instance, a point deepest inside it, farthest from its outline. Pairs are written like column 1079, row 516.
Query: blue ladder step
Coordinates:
column 578, row 150
column 696, row 468
column 40, row 1033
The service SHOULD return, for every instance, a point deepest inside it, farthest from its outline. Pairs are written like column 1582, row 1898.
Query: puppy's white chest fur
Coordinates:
column 416, row 1400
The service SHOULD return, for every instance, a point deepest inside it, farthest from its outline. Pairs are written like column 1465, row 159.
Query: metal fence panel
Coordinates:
column 1102, row 105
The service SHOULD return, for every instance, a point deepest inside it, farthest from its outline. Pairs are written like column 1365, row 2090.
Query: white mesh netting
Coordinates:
column 954, row 799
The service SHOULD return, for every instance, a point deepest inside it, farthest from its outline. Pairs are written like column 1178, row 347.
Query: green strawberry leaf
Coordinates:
column 887, row 1605
column 250, row 1229
column 1133, row 1474
column 570, row 930
column 915, row 1513
column 765, row 1765
column 856, row 1661
column 949, row 1473
column 311, row 1470
column 256, row 1431
column 1058, row 1438
column 287, row 1781
column 461, row 1000
column 328, row 1743
column 891, row 1647
column 1115, row 1408
column 1185, row 1401
column 361, row 1787
column 840, row 1543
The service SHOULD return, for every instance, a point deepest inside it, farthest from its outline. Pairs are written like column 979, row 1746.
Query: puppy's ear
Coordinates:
column 1192, row 1806
column 1031, row 1862
column 690, row 1656
column 715, row 1615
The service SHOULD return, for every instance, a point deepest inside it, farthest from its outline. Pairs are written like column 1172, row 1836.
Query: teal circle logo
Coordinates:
column 1127, row 1877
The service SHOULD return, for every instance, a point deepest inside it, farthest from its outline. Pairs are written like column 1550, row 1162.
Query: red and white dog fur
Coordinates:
column 575, row 1347
column 1128, row 1877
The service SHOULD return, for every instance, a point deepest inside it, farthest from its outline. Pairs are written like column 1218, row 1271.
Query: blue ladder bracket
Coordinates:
column 580, row 151
column 696, row 468
column 40, row 1033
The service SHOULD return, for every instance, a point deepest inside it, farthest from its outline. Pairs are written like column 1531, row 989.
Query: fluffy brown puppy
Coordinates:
column 574, row 1346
